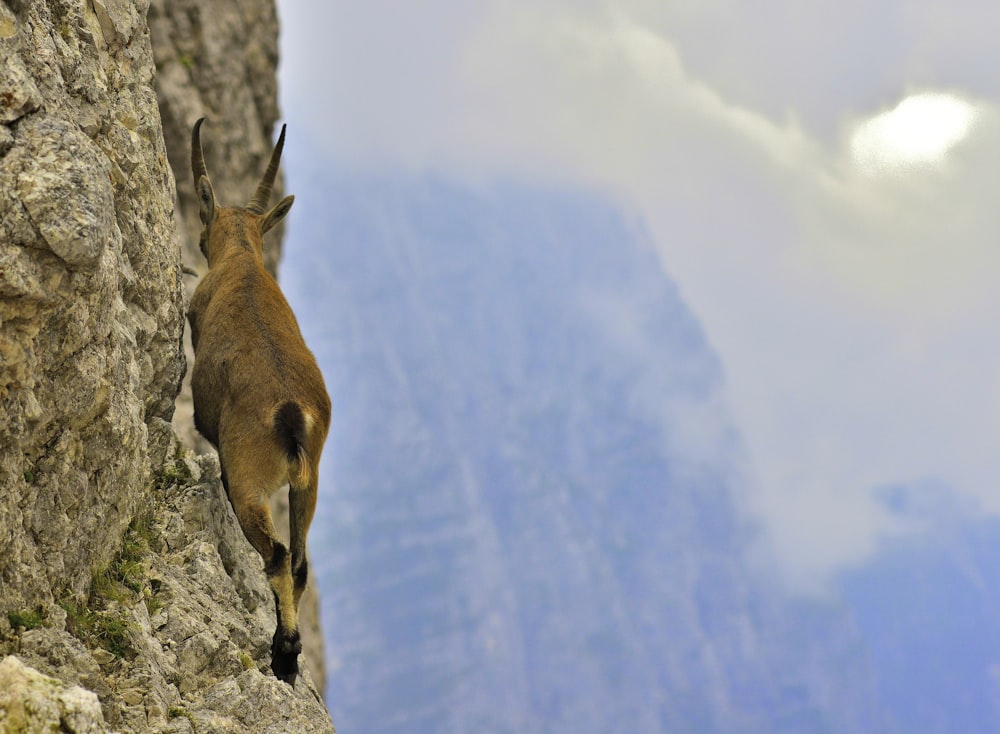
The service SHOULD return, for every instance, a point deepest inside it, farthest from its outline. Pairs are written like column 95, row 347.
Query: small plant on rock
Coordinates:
column 99, row 621
column 26, row 619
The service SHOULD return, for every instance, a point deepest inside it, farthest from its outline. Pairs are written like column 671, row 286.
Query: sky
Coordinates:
column 818, row 179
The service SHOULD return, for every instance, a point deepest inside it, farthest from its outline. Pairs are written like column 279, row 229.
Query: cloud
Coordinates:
column 918, row 132
column 855, row 313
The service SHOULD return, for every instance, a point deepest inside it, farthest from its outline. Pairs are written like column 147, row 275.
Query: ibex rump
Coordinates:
column 259, row 395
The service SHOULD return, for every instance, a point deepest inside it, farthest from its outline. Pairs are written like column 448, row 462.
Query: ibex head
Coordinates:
column 224, row 225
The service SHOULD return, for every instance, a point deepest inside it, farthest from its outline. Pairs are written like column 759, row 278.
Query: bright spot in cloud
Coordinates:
column 919, row 131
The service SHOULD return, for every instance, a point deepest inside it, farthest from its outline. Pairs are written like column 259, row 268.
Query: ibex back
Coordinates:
column 258, row 393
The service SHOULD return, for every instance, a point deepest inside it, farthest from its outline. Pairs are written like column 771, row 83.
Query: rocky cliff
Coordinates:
column 130, row 600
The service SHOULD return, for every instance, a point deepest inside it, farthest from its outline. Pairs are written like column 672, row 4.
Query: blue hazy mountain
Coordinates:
column 527, row 522
column 928, row 608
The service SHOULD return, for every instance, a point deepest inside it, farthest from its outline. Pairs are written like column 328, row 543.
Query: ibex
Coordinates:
column 259, row 395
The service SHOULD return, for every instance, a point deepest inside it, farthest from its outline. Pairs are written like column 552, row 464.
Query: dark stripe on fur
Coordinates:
column 301, row 573
column 277, row 560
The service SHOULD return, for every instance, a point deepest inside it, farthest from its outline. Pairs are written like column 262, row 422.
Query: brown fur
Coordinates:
column 259, row 395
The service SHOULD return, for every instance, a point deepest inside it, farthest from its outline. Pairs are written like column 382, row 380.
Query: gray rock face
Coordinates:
column 90, row 293
column 53, row 705
column 65, row 186
column 192, row 647
column 129, row 598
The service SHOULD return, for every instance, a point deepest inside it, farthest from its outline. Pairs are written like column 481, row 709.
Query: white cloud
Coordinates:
column 855, row 314
column 919, row 131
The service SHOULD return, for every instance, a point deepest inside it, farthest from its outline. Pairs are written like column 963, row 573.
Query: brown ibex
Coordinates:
column 259, row 395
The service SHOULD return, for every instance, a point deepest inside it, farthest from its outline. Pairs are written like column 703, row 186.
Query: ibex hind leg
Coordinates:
column 286, row 645
column 291, row 426
column 254, row 516
column 302, row 507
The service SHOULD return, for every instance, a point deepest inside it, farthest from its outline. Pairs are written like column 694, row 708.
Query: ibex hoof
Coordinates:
column 285, row 651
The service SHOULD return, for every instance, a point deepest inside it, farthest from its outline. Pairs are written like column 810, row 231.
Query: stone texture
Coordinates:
column 65, row 186
column 90, row 294
column 199, row 630
column 92, row 312
column 33, row 702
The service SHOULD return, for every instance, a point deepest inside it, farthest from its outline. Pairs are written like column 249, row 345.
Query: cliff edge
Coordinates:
column 129, row 599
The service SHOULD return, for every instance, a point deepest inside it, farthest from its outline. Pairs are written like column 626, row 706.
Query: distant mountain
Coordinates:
column 928, row 609
column 527, row 522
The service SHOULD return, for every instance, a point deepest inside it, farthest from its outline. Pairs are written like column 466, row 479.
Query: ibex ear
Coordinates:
column 277, row 214
column 206, row 200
